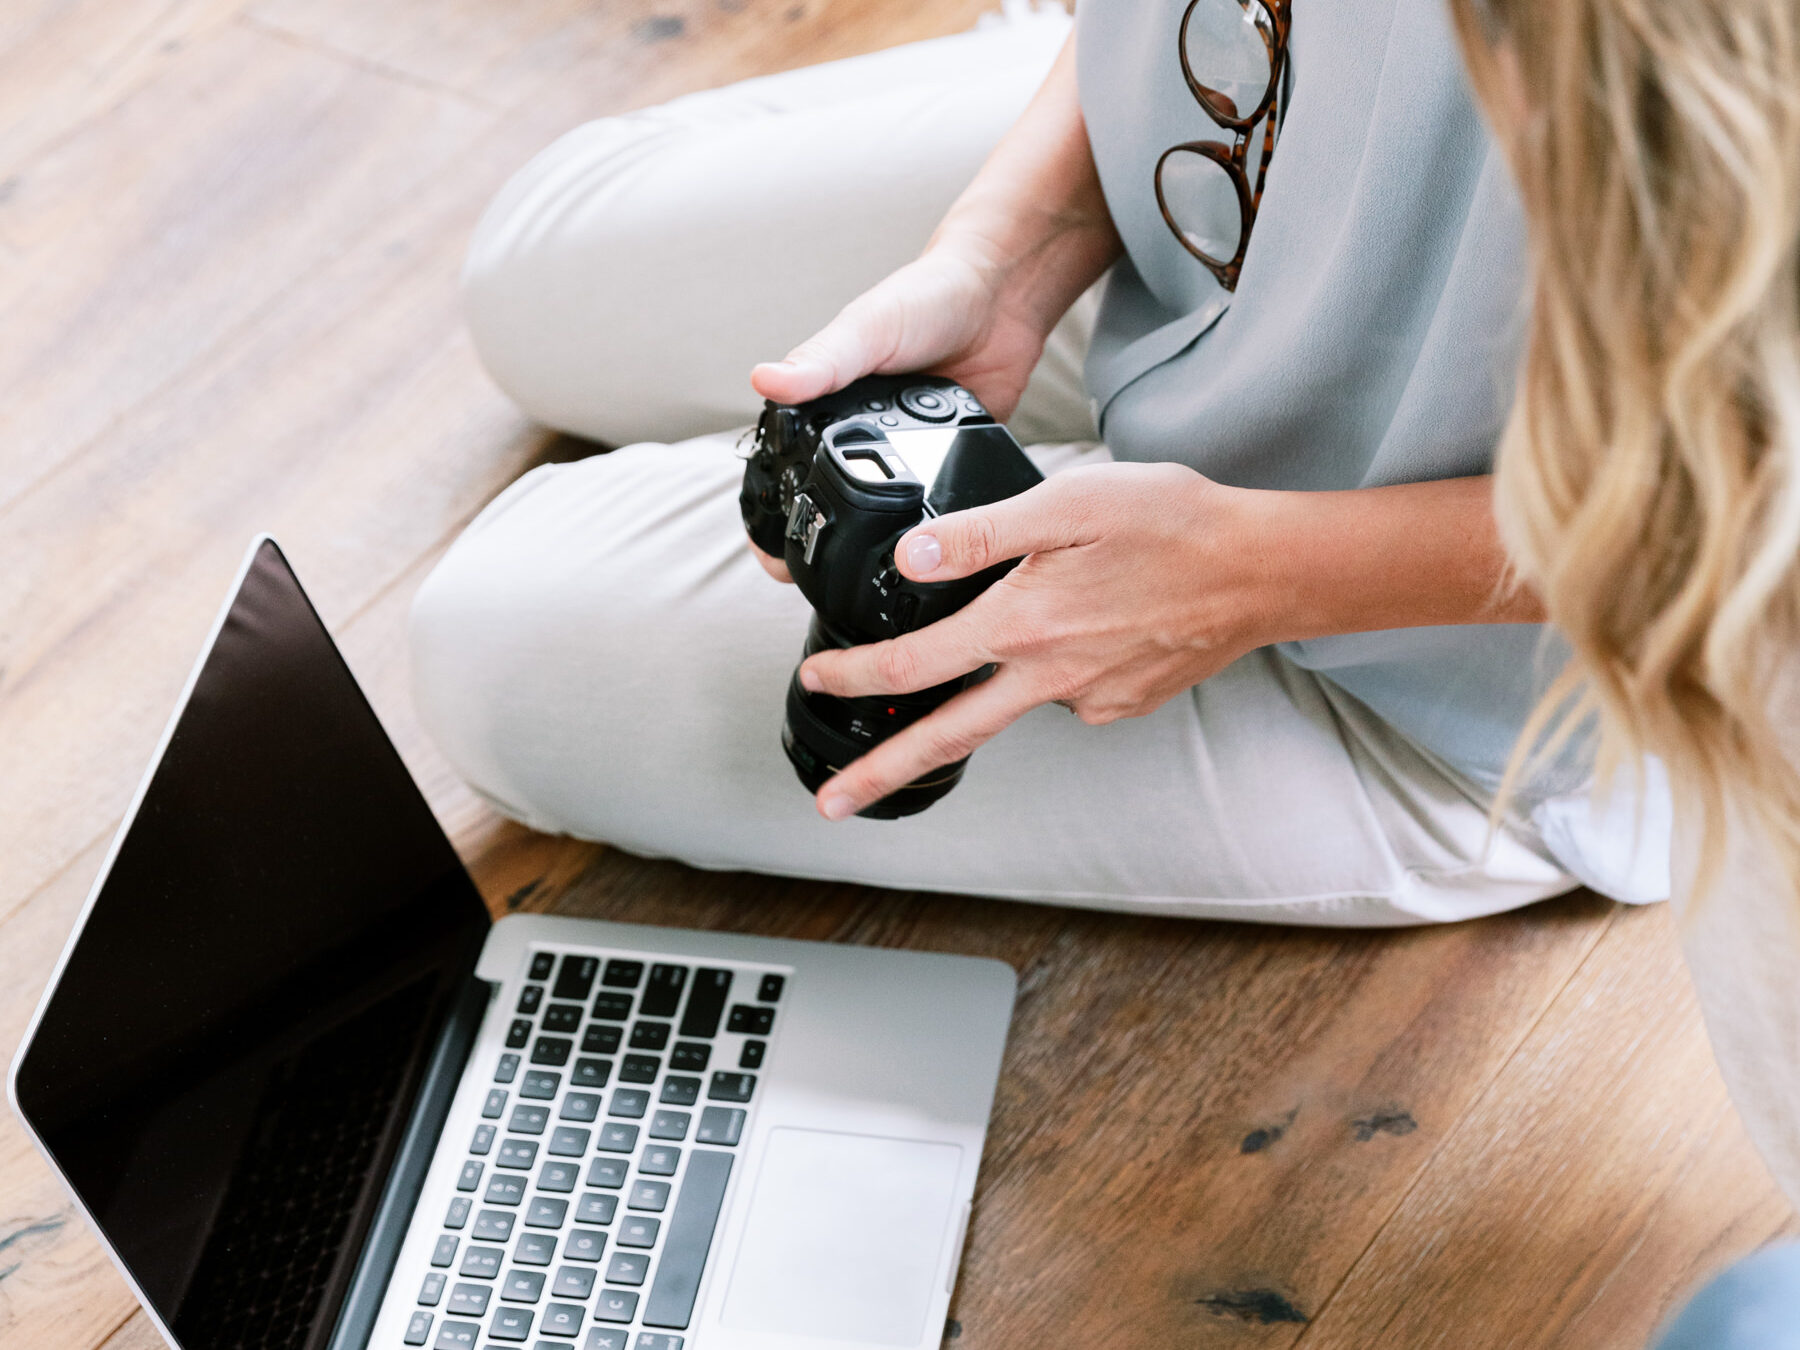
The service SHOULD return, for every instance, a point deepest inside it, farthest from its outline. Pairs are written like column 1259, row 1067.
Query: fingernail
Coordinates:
column 810, row 681
column 923, row 554
column 837, row 807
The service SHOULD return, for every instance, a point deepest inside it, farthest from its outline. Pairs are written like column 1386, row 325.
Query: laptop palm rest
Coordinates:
column 845, row 1238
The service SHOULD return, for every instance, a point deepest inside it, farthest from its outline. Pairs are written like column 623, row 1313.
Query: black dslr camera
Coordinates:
column 831, row 486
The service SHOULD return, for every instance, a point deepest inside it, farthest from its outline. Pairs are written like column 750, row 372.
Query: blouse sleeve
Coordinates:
column 1742, row 943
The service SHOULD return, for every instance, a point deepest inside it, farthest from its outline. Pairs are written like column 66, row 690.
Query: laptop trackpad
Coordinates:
column 845, row 1238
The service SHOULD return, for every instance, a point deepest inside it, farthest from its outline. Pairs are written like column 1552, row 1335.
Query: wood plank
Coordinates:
column 503, row 54
column 64, row 62
column 137, row 259
column 136, row 1334
column 1601, row 1176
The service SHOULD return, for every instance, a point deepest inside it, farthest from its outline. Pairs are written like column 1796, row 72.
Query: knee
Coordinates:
column 554, row 286
column 1752, row 1305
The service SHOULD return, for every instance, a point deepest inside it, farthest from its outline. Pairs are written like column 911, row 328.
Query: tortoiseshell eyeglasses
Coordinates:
column 1233, row 56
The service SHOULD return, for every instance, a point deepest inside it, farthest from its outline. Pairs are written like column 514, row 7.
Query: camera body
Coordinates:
column 830, row 487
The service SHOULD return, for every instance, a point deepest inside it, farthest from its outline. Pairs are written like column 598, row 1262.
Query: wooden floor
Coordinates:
column 229, row 236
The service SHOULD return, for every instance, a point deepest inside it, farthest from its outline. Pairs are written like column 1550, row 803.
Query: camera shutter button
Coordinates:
column 927, row 404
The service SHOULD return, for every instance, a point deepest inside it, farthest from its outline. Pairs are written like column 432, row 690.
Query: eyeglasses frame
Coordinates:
column 1233, row 158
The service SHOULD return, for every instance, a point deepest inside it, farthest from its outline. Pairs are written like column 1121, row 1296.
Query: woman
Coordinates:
column 1278, row 582
column 1649, row 482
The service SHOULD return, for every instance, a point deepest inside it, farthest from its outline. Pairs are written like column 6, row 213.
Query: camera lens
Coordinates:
column 824, row 733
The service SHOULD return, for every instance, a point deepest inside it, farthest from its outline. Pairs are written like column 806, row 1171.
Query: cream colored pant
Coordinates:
column 600, row 655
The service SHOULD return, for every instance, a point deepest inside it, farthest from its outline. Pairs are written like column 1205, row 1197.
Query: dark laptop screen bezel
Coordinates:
column 172, row 1085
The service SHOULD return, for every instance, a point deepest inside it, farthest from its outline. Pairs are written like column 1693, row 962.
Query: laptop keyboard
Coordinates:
column 588, row 1196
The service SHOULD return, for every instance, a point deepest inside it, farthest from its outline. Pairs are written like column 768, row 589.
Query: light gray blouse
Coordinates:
column 1375, row 328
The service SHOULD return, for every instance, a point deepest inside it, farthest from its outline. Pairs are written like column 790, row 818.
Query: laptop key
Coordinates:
column 507, row 1070
column 432, row 1291
column 720, row 1125
column 751, row 1057
column 639, row 1069
column 652, row 1196
column 480, row 1263
column 581, row 1106
column 535, row 1249
column 608, row 1173
column 469, row 1300
column 562, row 1319
column 529, row 998
column 601, row 1039
column 563, row 1017
column 522, row 1286
column 649, row 1035
column 518, row 1033
column 495, row 1103
column 518, row 1154
column 558, row 1177
column 606, row 1338
column 445, row 1251
column 483, row 1140
column 457, row 1336
column 623, row 974
column 573, row 1282
column 529, row 1119
column 617, row 1138
column 630, row 1103
column 638, row 1232
column 678, row 1090
column 545, row 1212
column 658, row 1340
column 748, row 1021
column 584, row 1245
column 671, row 1302
column 769, row 991
column 596, row 1208
column 627, row 1268
column 616, row 1305
column 542, row 963
column 458, row 1213
column 418, row 1327
column 492, row 1225
column 576, row 978
column 612, row 1007
column 670, row 1125
column 540, row 1085
column 551, row 1050
column 569, row 1141
column 504, row 1190
column 690, row 1056
column 590, row 1073
column 706, row 1004
column 731, row 1087
column 511, row 1324
column 662, row 995
column 470, row 1176
column 659, row 1160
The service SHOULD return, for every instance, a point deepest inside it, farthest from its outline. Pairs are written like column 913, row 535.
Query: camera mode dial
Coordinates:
column 928, row 404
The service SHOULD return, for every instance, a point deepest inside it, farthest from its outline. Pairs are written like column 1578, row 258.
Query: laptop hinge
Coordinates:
column 406, row 1177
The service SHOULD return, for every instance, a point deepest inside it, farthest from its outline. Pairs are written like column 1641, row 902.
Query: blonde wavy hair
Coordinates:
column 1648, row 483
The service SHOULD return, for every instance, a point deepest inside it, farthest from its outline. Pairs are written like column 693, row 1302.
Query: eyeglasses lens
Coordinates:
column 1202, row 202
column 1228, row 48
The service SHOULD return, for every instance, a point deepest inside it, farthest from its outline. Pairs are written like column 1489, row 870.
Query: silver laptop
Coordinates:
column 309, row 1096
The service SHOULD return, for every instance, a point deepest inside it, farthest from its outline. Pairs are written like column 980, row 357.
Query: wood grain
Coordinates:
column 1601, row 1176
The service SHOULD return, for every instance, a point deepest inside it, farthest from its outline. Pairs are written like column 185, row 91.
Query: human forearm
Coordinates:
column 1034, row 218
column 1405, row 556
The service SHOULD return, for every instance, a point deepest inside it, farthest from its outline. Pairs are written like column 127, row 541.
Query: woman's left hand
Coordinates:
column 1138, row 582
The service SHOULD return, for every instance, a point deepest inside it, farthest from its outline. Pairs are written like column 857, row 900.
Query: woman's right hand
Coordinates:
column 1020, row 245
column 945, row 312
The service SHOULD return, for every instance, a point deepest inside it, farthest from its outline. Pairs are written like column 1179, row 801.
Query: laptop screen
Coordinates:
column 230, row 1053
